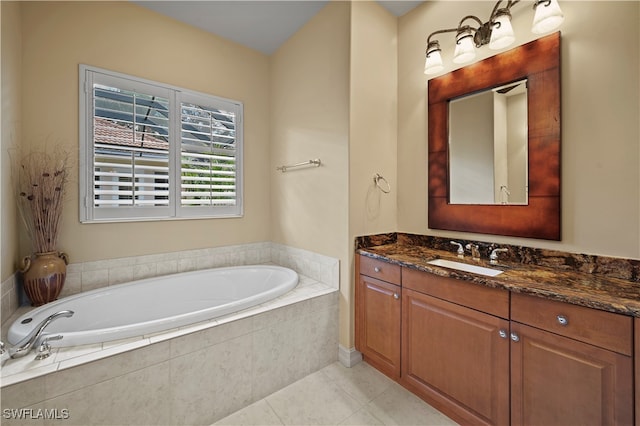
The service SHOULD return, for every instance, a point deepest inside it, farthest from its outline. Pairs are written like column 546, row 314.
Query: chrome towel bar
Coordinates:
column 314, row 163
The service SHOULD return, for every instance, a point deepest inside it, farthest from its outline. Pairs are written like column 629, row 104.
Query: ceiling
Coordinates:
column 259, row 24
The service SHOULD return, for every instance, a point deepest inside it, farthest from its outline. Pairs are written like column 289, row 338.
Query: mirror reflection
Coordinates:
column 488, row 147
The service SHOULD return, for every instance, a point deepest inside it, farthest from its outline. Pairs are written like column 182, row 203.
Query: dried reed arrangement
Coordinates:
column 41, row 180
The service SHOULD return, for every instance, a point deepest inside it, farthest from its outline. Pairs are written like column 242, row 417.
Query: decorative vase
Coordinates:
column 43, row 276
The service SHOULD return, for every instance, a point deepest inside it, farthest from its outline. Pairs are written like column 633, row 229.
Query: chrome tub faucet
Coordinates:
column 24, row 346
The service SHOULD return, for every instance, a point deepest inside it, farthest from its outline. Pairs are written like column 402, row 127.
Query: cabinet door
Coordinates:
column 378, row 324
column 456, row 358
column 560, row 381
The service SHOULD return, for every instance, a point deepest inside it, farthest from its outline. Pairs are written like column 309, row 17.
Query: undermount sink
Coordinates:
column 481, row 270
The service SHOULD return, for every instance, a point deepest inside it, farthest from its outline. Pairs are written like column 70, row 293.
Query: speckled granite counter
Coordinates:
column 610, row 284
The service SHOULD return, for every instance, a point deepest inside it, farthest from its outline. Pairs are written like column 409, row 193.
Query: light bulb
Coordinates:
column 548, row 16
column 502, row 32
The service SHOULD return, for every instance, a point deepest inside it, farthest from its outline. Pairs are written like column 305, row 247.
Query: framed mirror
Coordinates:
column 536, row 216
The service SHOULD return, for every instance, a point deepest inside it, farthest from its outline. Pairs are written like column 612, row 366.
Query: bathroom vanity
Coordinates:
column 532, row 345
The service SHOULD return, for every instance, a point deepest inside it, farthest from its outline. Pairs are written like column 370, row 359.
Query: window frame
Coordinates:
column 176, row 96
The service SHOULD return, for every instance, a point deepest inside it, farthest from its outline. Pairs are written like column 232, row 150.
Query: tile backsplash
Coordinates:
column 9, row 300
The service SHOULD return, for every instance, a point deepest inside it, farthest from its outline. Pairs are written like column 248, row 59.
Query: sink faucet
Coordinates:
column 25, row 345
column 493, row 257
column 475, row 251
column 460, row 249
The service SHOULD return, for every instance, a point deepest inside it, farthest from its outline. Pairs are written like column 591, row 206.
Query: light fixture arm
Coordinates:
column 482, row 27
column 481, row 33
column 497, row 32
column 475, row 18
column 448, row 30
column 510, row 4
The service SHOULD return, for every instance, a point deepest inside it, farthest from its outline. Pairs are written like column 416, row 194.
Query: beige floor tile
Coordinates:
column 313, row 400
column 397, row 406
column 361, row 418
column 362, row 382
column 257, row 414
column 337, row 395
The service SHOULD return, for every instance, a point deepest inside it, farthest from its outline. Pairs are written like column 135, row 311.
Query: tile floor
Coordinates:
column 337, row 395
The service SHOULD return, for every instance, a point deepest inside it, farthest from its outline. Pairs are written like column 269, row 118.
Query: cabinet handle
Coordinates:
column 376, row 269
column 502, row 333
column 515, row 337
column 396, row 296
column 562, row 320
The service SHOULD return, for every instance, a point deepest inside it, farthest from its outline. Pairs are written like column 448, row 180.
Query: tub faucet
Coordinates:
column 25, row 345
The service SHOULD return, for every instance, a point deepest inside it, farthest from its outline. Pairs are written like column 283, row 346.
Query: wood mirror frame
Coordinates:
column 538, row 62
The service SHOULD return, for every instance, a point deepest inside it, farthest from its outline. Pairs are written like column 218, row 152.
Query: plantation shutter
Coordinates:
column 154, row 151
column 131, row 148
column 209, row 155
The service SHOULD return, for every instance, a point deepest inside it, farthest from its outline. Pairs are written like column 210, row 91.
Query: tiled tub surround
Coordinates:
column 8, row 298
column 606, row 283
column 196, row 374
column 93, row 275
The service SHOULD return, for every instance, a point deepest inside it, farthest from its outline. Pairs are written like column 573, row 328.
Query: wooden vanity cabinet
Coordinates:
column 489, row 356
column 455, row 347
column 378, row 309
column 569, row 364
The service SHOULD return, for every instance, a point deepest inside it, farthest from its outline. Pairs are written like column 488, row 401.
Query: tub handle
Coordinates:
column 44, row 350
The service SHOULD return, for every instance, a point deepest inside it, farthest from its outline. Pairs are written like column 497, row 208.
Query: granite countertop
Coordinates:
column 592, row 290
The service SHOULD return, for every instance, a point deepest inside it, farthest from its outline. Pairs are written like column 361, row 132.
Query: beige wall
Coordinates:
column 373, row 118
column 372, row 133
column 600, row 132
column 309, row 119
column 123, row 37
column 347, row 118
column 10, row 79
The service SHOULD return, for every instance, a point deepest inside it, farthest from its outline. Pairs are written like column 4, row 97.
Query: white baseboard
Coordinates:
column 348, row 357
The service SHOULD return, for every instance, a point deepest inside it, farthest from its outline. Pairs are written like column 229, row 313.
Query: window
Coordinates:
column 153, row 151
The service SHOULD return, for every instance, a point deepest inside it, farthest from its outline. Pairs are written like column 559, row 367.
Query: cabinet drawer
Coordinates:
column 493, row 301
column 379, row 269
column 604, row 329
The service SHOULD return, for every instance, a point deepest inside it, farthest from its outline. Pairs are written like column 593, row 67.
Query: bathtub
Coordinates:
column 156, row 304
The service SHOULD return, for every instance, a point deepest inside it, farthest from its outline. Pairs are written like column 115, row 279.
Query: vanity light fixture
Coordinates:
column 497, row 32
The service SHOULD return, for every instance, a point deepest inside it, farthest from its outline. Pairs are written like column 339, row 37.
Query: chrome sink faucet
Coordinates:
column 493, row 257
column 460, row 249
column 475, row 251
column 25, row 345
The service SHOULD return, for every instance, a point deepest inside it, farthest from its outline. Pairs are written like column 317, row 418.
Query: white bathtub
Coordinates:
column 157, row 304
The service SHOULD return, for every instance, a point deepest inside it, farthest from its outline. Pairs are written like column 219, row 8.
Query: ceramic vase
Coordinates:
column 43, row 276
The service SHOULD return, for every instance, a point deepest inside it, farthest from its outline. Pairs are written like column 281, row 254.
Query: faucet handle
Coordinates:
column 475, row 250
column 44, row 350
